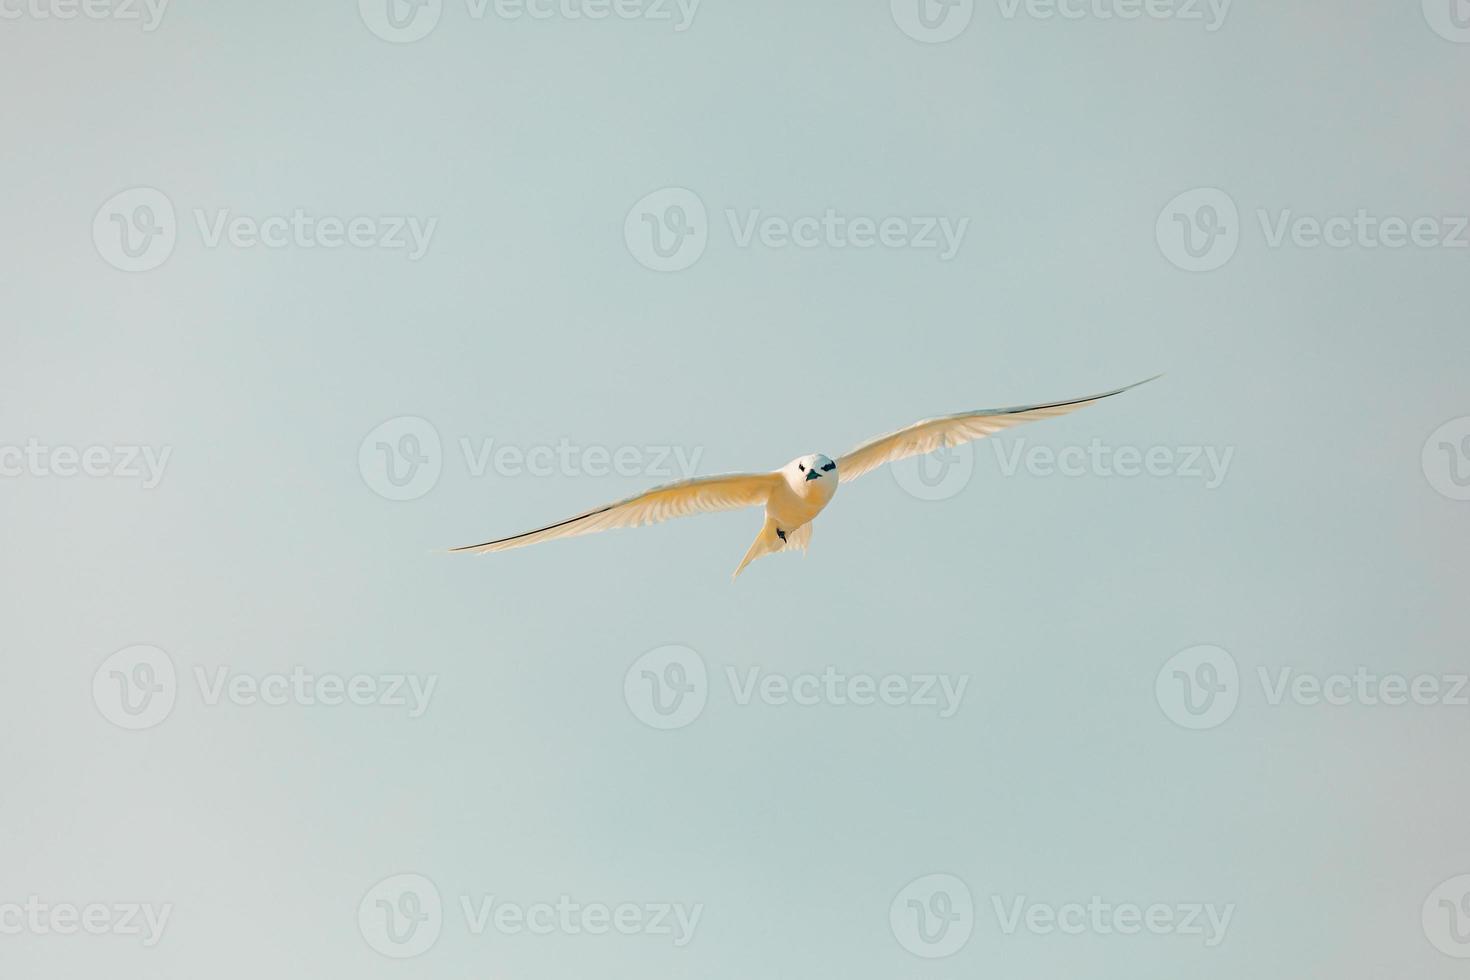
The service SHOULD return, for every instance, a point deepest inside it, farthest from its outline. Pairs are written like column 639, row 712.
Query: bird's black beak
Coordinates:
column 812, row 474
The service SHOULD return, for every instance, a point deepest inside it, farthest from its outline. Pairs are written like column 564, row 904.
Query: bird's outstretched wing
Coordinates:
column 951, row 430
column 698, row 496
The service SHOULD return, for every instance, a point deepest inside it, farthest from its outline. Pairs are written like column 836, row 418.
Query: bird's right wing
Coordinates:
column 698, row 496
column 951, row 430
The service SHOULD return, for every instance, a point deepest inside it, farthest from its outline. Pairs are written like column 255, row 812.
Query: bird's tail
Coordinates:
column 768, row 542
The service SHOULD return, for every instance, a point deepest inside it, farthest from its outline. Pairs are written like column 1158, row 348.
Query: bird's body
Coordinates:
column 795, row 494
column 807, row 485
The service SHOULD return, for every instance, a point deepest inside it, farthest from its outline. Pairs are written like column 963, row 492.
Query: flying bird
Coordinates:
column 796, row 493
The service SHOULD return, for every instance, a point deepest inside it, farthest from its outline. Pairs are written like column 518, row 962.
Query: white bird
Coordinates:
column 798, row 491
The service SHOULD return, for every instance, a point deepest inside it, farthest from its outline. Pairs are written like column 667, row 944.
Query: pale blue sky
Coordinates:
column 1327, row 545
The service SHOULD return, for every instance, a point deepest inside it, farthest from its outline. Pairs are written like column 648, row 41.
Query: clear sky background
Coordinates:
column 1333, row 541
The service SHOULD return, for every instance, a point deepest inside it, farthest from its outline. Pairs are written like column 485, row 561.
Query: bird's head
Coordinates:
column 809, row 469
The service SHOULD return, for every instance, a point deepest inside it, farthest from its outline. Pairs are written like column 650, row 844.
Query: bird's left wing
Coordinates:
column 951, row 430
column 703, row 495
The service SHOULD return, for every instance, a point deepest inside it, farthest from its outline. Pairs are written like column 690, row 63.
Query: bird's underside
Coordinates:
column 795, row 494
